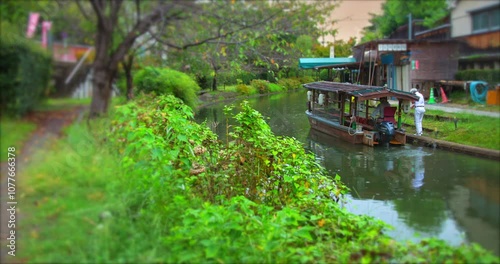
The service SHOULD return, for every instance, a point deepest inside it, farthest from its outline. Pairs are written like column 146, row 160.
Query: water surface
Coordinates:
column 422, row 192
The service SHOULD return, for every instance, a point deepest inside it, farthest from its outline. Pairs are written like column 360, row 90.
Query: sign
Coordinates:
column 46, row 25
column 392, row 47
column 32, row 23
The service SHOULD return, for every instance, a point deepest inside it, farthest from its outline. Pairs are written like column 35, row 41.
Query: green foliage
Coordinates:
column 290, row 83
column 154, row 186
column 342, row 48
column 395, row 14
column 273, row 88
column 304, row 45
column 246, row 89
column 262, row 86
column 14, row 134
column 471, row 130
column 25, row 71
column 167, row 81
column 491, row 76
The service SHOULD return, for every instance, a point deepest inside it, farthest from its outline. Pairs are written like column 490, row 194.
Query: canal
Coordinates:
column 422, row 192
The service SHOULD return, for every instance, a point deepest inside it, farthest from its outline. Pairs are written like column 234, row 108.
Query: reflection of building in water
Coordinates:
column 476, row 208
column 374, row 173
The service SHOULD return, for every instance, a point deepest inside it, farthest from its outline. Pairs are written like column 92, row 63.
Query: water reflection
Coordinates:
column 390, row 184
column 419, row 169
column 421, row 192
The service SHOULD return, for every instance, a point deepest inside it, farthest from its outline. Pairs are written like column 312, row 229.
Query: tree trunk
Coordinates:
column 214, row 82
column 130, row 86
column 127, row 67
column 101, row 92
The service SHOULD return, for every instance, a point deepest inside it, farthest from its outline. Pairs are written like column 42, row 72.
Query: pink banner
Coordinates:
column 46, row 25
column 32, row 23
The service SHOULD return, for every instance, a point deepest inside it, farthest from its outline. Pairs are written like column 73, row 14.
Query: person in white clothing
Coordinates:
column 419, row 110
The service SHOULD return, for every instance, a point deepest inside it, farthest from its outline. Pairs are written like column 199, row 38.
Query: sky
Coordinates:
column 353, row 16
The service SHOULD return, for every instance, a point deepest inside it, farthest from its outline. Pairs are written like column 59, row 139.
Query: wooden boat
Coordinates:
column 343, row 110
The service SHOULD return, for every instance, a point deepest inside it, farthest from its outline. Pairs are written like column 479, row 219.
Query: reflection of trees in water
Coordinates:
column 484, row 208
column 423, row 211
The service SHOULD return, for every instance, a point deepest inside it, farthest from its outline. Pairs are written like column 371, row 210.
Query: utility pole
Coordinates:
column 409, row 27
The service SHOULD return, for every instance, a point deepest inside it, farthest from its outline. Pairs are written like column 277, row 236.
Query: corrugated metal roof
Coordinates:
column 311, row 63
column 363, row 92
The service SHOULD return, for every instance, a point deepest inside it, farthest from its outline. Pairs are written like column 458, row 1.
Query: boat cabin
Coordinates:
column 344, row 110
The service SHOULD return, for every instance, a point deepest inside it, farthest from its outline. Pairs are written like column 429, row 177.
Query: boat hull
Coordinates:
column 348, row 134
column 335, row 129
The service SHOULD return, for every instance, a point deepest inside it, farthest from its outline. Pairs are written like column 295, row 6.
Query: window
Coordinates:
column 486, row 20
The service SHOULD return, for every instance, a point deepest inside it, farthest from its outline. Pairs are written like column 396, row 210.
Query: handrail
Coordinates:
column 78, row 65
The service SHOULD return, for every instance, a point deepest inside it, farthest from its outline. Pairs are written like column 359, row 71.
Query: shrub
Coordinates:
column 306, row 79
column 490, row 76
column 275, row 88
column 290, row 83
column 25, row 71
column 205, row 82
column 245, row 89
column 167, row 81
column 261, row 86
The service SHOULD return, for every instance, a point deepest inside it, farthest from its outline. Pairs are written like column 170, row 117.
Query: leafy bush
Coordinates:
column 205, row 82
column 261, row 86
column 25, row 71
column 157, row 187
column 306, row 79
column 273, row 88
column 245, row 89
column 490, row 76
column 167, row 81
column 290, row 83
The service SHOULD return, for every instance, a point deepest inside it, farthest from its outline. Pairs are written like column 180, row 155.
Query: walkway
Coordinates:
column 450, row 108
column 50, row 125
column 455, row 108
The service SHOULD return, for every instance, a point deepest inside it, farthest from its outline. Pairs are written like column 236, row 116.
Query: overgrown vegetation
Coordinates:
column 152, row 185
column 164, row 81
column 25, row 71
column 491, row 76
column 14, row 134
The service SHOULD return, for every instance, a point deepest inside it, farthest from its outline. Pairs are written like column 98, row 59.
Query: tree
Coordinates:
column 395, row 13
column 109, row 52
column 160, row 23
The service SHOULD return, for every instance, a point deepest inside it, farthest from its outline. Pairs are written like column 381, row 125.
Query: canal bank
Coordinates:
column 451, row 146
column 454, row 147
column 422, row 192
column 208, row 99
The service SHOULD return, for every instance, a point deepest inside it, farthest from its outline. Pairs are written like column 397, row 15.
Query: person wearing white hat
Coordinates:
column 419, row 110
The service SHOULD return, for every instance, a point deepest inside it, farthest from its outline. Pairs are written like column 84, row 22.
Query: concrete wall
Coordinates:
column 461, row 21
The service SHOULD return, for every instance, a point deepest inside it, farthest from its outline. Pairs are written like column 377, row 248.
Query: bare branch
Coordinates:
column 98, row 8
column 211, row 39
column 82, row 10
column 138, row 11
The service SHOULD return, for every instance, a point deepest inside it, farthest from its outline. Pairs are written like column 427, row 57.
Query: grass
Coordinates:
column 77, row 209
column 472, row 130
column 14, row 133
column 53, row 104
column 72, row 217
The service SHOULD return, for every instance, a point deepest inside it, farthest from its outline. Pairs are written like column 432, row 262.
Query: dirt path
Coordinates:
column 50, row 125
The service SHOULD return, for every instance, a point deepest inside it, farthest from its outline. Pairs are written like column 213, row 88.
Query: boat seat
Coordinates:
column 389, row 113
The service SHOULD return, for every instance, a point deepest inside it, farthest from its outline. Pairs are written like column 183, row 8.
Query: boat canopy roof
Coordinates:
column 314, row 63
column 362, row 92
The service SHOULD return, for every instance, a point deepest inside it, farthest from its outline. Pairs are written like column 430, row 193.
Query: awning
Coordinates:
column 312, row 63
column 362, row 92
